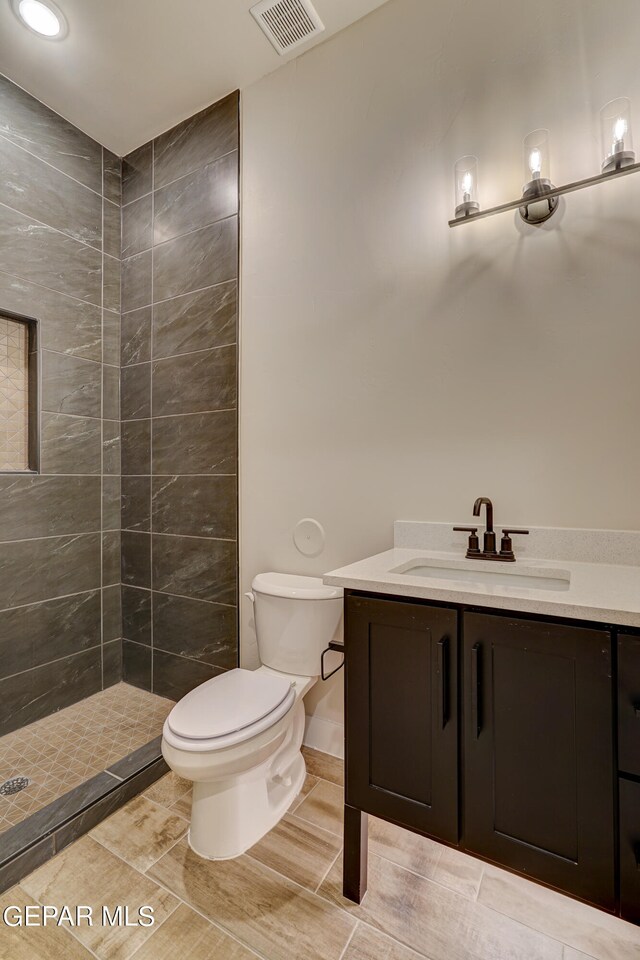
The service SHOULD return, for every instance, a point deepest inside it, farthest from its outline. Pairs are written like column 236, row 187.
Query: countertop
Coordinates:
column 600, row 592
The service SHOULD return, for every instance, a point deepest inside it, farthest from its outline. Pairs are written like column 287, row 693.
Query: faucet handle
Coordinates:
column 473, row 550
column 506, row 545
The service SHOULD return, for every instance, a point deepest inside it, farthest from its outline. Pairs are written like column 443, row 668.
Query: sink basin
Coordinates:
column 474, row 572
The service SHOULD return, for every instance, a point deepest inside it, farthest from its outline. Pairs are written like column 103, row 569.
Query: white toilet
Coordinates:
column 238, row 736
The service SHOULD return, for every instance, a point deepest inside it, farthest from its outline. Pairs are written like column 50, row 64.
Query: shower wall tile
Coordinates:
column 193, row 567
column 110, row 392
column 136, row 282
column 70, row 444
column 111, row 229
column 173, row 677
column 42, row 192
column 136, row 337
column 136, row 664
column 137, row 226
column 111, row 663
column 71, row 385
column 137, row 176
column 36, row 634
column 196, row 443
column 136, row 447
column 34, row 127
column 136, row 615
column 111, row 557
column 32, row 570
column 111, row 338
column 195, row 506
column 111, row 613
column 136, row 392
column 111, row 497
column 197, row 260
column 196, row 629
column 111, row 284
column 197, row 141
column 195, row 383
column 196, row 321
column 136, row 559
column 111, row 447
column 203, row 197
column 136, row 503
column 112, row 177
column 38, row 506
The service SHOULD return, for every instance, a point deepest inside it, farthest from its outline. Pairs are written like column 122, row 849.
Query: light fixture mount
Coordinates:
column 538, row 207
column 42, row 17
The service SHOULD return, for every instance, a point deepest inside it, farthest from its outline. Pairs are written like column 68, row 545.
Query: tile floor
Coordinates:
column 62, row 751
column 281, row 901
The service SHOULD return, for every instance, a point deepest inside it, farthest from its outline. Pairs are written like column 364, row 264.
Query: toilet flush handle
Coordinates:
column 250, row 596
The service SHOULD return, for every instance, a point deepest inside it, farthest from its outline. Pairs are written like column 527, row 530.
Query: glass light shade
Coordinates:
column 615, row 131
column 466, row 182
column 536, row 156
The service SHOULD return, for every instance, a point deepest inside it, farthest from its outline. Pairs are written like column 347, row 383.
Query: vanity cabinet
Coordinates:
column 489, row 732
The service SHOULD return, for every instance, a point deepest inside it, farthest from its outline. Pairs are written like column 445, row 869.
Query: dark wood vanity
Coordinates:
column 511, row 737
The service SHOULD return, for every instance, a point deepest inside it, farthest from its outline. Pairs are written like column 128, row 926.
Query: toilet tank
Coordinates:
column 295, row 617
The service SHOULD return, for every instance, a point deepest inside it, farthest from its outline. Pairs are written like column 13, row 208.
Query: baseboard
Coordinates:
column 324, row 735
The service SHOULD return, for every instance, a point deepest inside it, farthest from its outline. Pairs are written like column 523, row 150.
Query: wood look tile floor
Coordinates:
column 282, row 900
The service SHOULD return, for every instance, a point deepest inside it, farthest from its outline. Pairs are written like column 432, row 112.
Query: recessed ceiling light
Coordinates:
column 45, row 19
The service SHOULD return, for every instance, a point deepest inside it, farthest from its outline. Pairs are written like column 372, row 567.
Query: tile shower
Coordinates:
column 118, row 557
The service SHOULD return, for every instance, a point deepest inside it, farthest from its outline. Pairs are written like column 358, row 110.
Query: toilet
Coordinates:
column 238, row 736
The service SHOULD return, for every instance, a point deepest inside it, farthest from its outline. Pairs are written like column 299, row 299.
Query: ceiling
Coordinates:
column 130, row 69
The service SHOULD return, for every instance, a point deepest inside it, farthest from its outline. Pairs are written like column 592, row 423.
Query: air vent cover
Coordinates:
column 287, row 23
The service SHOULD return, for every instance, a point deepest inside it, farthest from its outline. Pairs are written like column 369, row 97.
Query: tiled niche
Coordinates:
column 18, row 396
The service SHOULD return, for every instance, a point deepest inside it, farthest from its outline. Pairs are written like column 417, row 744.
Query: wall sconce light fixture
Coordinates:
column 539, row 199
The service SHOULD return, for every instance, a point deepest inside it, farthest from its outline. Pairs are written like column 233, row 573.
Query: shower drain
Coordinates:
column 15, row 785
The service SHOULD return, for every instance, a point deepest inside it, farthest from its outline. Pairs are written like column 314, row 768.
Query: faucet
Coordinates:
column 489, row 551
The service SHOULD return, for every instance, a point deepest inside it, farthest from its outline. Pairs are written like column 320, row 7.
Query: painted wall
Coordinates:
column 393, row 368
column 60, row 623
column 179, row 403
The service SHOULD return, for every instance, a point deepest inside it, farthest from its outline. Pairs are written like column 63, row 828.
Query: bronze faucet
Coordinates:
column 489, row 551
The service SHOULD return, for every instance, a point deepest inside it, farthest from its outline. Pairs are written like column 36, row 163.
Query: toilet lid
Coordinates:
column 227, row 704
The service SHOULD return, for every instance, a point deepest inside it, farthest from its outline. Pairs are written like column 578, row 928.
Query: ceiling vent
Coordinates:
column 287, row 23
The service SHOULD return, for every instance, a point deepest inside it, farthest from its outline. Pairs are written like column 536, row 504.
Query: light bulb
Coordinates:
column 40, row 18
column 467, row 184
column 619, row 130
column 535, row 162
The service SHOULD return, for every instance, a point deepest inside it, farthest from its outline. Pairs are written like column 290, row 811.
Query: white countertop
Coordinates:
column 601, row 592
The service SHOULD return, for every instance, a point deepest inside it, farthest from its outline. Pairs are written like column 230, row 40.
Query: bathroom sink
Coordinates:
column 537, row 578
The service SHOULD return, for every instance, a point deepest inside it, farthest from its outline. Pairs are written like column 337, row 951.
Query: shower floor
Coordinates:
column 65, row 749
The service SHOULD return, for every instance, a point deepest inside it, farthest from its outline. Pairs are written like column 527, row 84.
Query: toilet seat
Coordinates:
column 228, row 710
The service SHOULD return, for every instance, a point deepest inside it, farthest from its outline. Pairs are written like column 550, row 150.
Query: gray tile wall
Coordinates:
column 60, row 602
column 179, row 403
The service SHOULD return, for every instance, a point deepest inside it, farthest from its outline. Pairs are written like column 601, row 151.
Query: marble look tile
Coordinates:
column 111, row 663
column 196, row 629
column 67, row 325
column 136, row 392
column 111, row 278
column 168, row 790
column 40, row 191
column 70, row 444
column 111, row 229
column 324, row 807
column 136, row 505
column 141, row 832
column 136, row 664
column 174, row 677
column 196, row 506
column 146, row 755
column 136, row 559
column 110, row 392
column 197, row 938
column 111, row 498
column 38, row 942
column 37, row 506
column 403, row 847
column 26, row 697
column 367, row 944
column 32, row 570
column 196, row 321
column 40, row 254
column 197, row 199
column 137, row 227
column 183, row 805
column 265, row 911
column 591, row 931
column 112, row 613
column 435, row 921
column 323, row 766
column 571, row 954
column 70, row 385
column 29, row 124
column 308, row 785
column 136, row 447
column 136, row 282
column 111, row 557
column 298, row 850
column 111, row 337
column 136, row 173
column 111, row 446
column 38, row 633
column 197, row 443
column 459, row 872
column 88, row 873
column 136, row 614
column 111, row 176
column 196, row 383
column 197, row 141
column 191, row 567
column 136, row 336
column 200, row 259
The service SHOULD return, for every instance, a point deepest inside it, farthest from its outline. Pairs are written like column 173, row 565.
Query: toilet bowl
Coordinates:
column 238, row 736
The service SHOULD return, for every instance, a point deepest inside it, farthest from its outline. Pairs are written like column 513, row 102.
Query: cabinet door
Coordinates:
column 401, row 713
column 629, row 704
column 630, row 850
column 539, row 778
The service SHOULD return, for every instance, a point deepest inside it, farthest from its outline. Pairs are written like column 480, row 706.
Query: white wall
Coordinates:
column 392, row 368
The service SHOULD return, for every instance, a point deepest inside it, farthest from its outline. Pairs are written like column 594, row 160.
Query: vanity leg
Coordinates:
column 354, row 877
